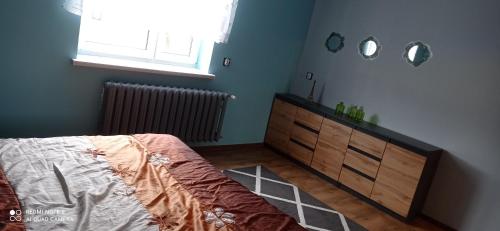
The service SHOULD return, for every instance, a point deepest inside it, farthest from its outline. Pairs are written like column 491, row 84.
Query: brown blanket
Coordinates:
column 10, row 217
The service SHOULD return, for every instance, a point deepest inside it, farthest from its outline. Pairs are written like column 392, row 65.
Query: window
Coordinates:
column 152, row 34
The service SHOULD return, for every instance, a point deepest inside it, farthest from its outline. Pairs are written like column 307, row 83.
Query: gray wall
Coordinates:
column 452, row 101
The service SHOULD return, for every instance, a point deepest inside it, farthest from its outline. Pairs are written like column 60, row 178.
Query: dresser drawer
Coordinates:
column 284, row 108
column 367, row 143
column 404, row 161
column 362, row 163
column 300, row 153
column 308, row 119
column 277, row 139
column 327, row 159
column 335, row 135
column 356, row 182
column 304, row 136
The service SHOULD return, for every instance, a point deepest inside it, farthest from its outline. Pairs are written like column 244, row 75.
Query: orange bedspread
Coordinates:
column 182, row 191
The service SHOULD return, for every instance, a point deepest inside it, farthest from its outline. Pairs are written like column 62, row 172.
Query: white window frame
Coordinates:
column 150, row 60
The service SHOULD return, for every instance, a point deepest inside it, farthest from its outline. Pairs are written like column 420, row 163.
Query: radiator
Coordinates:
column 192, row 115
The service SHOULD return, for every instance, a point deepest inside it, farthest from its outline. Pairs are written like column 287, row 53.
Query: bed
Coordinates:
column 136, row 182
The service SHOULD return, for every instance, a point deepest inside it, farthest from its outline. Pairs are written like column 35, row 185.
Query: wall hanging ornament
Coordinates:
column 335, row 42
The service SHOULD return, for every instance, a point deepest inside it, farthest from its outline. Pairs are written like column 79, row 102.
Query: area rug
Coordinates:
column 311, row 213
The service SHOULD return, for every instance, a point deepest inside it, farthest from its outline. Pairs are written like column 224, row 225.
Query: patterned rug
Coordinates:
column 308, row 211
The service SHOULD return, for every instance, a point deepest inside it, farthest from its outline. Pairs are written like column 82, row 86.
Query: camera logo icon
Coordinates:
column 15, row 215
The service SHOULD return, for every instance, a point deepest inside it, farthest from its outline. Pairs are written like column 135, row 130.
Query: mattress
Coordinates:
column 137, row 182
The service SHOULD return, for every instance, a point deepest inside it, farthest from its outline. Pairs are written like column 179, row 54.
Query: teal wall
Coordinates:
column 42, row 94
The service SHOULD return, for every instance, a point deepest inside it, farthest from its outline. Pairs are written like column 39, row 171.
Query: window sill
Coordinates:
column 124, row 65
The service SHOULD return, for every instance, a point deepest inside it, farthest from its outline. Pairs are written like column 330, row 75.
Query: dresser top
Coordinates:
column 409, row 143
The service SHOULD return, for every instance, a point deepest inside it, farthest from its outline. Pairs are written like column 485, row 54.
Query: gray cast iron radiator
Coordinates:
column 192, row 115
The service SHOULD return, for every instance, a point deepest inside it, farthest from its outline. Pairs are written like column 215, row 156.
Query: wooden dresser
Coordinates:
column 387, row 169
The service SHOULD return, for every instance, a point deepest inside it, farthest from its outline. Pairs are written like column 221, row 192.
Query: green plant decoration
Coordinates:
column 339, row 109
column 374, row 119
column 360, row 114
column 351, row 113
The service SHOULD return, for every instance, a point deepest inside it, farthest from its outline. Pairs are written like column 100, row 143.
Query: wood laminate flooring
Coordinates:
column 368, row 216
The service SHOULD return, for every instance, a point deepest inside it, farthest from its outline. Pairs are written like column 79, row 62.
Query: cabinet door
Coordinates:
column 327, row 160
column 280, row 125
column 277, row 139
column 282, row 107
column 397, row 179
column 331, row 147
column 282, row 116
column 308, row 119
column 335, row 134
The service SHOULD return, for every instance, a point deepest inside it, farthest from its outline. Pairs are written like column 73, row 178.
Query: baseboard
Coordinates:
column 225, row 148
column 436, row 222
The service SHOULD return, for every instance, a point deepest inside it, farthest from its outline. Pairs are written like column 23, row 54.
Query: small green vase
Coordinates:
column 339, row 109
column 352, row 113
column 349, row 111
column 360, row 114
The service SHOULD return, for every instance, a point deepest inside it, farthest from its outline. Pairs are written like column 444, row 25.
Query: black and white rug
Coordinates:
column 308, row 211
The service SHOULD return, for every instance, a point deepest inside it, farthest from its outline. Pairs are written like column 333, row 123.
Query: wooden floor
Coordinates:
column 366, row 215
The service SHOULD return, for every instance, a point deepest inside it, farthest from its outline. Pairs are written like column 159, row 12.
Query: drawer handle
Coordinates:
column 358, row 172
column 364, row 153
column 301, row 144
column 305, row 127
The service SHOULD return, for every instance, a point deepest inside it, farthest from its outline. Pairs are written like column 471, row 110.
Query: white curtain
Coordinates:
column 204, row 19
column 73, row 6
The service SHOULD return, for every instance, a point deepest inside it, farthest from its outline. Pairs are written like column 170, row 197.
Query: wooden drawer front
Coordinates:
column 284, row 108
column 304, row 136
column 404, row 161
column 277, row 139
column 335, row 134
column 391, row 199
column 397, row 179
column 394, row 190
column 356, row 182
column 367, row 143
column 362, row 163
column 308, row 119
column 300, row 153
column 281, row 122
column 328, row 160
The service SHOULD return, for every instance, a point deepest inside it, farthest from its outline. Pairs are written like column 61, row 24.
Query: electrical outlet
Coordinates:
column 226, row 62
column 309, row 75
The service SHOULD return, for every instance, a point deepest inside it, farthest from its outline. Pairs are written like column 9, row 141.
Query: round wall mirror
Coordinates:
column 335, row 42
column 417, row 53
column 369, row 48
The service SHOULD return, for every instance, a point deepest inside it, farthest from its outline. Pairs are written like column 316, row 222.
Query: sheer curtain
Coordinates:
column 204, row 19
